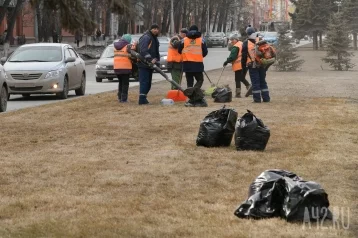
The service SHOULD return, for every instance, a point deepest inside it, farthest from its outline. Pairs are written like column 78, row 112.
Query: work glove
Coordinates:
column 225, row 63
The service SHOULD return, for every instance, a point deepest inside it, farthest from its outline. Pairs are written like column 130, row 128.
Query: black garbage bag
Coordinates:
column 197, row 103
column 222, row 94
column 280, row 193
column 217, row 128
column 251, row 133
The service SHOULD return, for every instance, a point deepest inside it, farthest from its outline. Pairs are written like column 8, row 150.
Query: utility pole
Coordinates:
column 172, row 19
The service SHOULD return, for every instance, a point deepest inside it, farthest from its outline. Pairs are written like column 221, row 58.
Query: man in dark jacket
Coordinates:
column 149, row 49
column 257, row 72
column 193, row 50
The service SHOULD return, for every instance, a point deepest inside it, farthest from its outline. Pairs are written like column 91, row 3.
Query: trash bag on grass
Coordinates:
column 222, row 94
column 280, row 193
column 217, row 128
column 251, row 133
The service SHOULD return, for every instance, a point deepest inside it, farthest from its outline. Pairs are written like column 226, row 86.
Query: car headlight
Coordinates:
column 5, row 76
column 53, row 74
column 100, row 66
column 165, row 57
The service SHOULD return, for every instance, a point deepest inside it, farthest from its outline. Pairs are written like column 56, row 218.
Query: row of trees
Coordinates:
column 314, row 17
column 86, row 15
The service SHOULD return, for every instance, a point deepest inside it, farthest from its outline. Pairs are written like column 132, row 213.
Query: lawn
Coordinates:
column 92, row 167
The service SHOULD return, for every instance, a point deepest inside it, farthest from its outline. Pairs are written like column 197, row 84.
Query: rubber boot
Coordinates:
column 142, row 99
column 238, row 93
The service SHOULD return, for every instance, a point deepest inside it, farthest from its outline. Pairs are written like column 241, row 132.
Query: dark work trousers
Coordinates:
column 145, row 83
column 123, row 86
column 240, row 78
column 259, row 85
column 78, row 43
column 199, row 77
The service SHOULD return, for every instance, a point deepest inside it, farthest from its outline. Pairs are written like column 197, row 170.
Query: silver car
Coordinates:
column 3, row 90
column 45, row 68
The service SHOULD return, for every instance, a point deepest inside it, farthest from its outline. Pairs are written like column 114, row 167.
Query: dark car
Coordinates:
column 216, row 39
column 104, row 66
column 163, row 51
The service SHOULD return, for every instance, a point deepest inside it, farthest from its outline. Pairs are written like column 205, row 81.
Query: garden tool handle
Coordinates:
column 220, row 75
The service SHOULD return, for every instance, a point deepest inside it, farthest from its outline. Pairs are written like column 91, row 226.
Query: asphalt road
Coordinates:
column 213, row 60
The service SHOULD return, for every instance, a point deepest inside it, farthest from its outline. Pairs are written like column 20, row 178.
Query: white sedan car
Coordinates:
column 45, row 68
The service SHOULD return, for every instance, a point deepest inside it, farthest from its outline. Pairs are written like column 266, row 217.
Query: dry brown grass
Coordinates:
column 94, row 168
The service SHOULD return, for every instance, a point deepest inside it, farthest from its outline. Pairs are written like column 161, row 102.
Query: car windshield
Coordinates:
column 37, row 54
column 163, row 47
column 215, row 34
column 270, row 34
column 108, row 52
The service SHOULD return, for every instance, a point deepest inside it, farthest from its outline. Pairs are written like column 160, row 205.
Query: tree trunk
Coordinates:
column 166, row 18
column 215, row 18
column 39, row 22
column 355, row 40
column 108, row 22
column 320, row 40
column 14, row 13
column 4, row 10
column 315, row 40
column 184, row 15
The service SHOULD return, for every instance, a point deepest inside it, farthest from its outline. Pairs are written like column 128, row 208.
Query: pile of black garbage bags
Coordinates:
column 222, row 94
column 218, row 128
column 274, row 193
column 280, row 193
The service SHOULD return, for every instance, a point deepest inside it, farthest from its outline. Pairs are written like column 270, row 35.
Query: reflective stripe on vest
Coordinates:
column 173, row 54
column 192, row 50
column 121, row 59
column 236, row 65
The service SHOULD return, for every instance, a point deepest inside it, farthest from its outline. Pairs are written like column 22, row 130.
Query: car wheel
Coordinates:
column 98, row 80
column 26, row 95
column 64, row 93
column 82, row 90
column 3, row 99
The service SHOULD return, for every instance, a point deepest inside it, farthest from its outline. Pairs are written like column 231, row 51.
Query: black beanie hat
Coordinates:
column 154, row 26
column 194, row 28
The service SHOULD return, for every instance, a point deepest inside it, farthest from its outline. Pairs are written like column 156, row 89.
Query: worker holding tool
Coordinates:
column 174, row 59
column 257, row 72
column 193, row 50
column 149, row 49
column 235, row 60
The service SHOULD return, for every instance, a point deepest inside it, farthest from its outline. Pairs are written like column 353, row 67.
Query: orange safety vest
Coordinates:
column 236, row 65
column 192, row 50
column 251, row 51
column 121, row 59
column 173, row 54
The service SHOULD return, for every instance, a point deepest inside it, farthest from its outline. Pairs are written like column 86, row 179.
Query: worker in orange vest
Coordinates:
column 123, row 66
column 235, row 60
column 193, row 49
column 257, row 72
column 174, row 59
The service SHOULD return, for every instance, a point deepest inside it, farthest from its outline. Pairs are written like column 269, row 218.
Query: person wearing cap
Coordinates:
column 174, row 59
column 149, row 49
column 235, row 59
column 122, row 66
column 257, row 72
column 193, row 50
